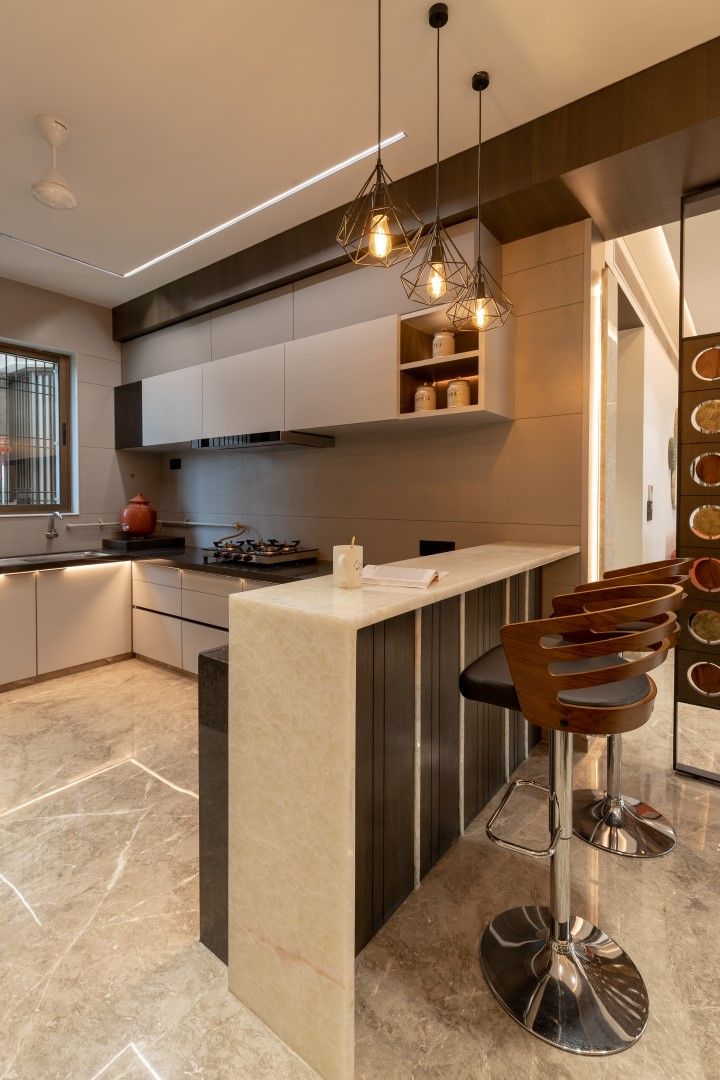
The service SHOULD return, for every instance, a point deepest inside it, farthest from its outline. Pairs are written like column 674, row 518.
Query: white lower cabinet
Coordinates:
column 196, row 639
column 158, row 637
column 176, row 618
column 17, row 627
column 83, row 615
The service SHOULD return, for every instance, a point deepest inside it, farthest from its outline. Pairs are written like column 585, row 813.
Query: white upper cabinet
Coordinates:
column 172, row 407
column 345, row 376
column 244, row 394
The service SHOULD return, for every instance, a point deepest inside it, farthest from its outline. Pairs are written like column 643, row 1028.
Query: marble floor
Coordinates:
column 102, row 974
column 101, row 971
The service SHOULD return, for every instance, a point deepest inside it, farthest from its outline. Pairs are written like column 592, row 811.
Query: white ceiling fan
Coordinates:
column 52, row 189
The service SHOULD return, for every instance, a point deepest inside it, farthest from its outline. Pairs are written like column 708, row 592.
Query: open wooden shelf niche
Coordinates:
column 486, row 365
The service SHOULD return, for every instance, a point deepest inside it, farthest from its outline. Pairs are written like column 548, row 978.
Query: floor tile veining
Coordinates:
column 103, row 977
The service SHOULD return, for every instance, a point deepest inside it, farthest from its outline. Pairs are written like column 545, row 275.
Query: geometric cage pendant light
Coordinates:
column 437, row 271
column 483, row 305
column 379, row 228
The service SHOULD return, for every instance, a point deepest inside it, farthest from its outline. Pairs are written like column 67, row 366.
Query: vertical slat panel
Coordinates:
column 440, row 793
column 399, row 762
column 492, row 739
column 472, row 710
column 448, row 730
column 534, row 612
column 426, row 740
column 385, row 772
column 516, row 586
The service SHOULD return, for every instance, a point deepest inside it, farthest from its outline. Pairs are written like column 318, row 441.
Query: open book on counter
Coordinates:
column 412, row 577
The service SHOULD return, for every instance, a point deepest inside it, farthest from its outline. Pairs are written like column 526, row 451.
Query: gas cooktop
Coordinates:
column 260, row 552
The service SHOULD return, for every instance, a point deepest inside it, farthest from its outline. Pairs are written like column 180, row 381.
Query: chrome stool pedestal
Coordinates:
column 559, row 976
column 615, row 822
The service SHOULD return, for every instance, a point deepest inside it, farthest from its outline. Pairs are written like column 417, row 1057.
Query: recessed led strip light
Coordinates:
column 302, row 186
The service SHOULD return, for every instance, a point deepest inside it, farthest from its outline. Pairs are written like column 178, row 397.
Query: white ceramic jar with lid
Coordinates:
column 425, row 398
column 443, row 343
column 458, row 394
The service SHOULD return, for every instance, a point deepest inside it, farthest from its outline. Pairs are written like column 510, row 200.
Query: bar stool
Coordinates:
column 564, row 979
column 611, row 820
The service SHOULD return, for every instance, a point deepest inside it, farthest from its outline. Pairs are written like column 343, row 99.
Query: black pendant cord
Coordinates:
column 437, row 128
column 480, row 97
column 379, row 81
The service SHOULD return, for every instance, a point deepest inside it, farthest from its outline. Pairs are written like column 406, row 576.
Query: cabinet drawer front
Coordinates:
column 201, row 607
column 158, row 637
column 157, row 597
column 253, row 583
column 213, row 584
column 196, row 639
column 158, row 573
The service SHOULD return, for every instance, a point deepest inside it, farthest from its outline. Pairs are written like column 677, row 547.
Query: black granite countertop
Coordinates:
column 187, row 559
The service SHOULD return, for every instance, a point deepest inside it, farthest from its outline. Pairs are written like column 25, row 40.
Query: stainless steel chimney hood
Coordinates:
column 264, row 440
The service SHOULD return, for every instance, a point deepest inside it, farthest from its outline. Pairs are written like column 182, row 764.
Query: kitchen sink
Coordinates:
column 60, row 556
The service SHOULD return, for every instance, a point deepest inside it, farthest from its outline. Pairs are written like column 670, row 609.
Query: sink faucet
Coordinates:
column 52, row 532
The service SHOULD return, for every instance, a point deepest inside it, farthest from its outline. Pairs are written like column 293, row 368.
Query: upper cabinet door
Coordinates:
column 345, row 376
column 244, row 394
column 172, row 407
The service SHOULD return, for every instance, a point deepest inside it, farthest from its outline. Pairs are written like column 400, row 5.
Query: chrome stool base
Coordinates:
column 622, row 825
column 586, row 997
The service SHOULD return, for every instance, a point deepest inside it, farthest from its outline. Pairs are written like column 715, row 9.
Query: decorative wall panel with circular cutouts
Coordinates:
column 698, row 520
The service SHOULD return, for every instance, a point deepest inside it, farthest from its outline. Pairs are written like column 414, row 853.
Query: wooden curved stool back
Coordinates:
column 589, row 626
column 652, row 571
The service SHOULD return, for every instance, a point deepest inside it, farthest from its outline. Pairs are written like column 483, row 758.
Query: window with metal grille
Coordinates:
column 34, row 430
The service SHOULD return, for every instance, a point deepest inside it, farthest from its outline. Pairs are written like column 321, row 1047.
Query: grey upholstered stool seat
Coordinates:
column 488, row 679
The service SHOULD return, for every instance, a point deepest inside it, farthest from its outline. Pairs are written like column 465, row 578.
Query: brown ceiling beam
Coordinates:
column 623, row 155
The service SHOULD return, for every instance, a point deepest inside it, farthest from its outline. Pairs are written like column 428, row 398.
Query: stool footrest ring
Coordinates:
column 511, row 845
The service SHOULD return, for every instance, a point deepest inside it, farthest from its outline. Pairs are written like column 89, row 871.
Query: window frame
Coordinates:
column 63, row 361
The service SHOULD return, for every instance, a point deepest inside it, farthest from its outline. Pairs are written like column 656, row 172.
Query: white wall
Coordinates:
column 106, row 479
column 660, row 396
column 647, row 398
column 629, row 491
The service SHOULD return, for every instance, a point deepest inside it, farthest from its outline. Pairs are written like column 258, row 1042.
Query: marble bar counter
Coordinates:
column 354, row 764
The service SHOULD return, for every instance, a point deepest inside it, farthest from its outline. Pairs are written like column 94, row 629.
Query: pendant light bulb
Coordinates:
column 437, row 278
column 437, row 283
column 479, row 315
column 380, row 243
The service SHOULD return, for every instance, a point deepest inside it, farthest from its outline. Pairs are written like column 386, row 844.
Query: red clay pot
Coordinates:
column 138, row 518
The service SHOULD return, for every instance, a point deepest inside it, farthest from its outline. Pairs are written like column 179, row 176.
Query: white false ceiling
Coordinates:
column 184, row 113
